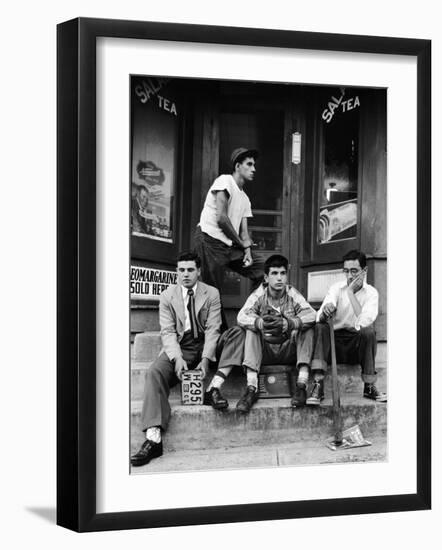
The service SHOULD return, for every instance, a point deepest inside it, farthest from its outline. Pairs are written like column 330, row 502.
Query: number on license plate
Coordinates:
column 192, row 388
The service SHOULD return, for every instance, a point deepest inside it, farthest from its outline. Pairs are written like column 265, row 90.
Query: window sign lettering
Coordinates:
column 147, row 283
column 339, row 104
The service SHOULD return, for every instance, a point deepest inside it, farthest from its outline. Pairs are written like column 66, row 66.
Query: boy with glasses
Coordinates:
column 353, row 307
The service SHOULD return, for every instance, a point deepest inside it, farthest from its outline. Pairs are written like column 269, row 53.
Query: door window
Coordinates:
column 338, row 183
column 261, row 130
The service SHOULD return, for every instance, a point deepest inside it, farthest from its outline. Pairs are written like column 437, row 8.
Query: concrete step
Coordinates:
column 349, row 379
column 264, row 456
column 147, row 346
column 272, row 421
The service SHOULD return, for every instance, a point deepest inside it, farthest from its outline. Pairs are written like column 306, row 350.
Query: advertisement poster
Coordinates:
column 153, row 171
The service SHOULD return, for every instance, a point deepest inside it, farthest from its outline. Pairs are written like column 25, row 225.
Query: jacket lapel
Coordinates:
column 200, row 298
column 178, row 304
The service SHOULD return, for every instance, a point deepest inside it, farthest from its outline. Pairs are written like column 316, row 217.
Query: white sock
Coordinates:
column 218, row 381
column 154, row 434
column 303, row 375
column 252, row 378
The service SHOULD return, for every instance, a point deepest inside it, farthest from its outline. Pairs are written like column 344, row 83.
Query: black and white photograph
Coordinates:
column 220, row 330
column 258, row 274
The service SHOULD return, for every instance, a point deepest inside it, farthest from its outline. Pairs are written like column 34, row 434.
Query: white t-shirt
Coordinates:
column 238, row 207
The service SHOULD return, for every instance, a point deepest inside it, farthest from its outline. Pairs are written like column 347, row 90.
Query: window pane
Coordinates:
column 154, row 152
column 338, row 197
column 266, row 240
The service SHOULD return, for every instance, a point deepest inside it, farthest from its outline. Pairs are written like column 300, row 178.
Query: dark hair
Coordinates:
column 356, row 255
column 275, row 261
column 189, row 257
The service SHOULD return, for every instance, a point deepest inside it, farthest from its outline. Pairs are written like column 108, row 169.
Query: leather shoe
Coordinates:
column 371, row 392
column 300, row 396
column 245, row 403
column 149, row 449
column 214, row 398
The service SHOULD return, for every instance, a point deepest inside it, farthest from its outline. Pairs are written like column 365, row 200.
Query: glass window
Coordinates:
column 338, row 196
column 154, row 157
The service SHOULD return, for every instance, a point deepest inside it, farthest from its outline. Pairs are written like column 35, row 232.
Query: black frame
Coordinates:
column 76, row 292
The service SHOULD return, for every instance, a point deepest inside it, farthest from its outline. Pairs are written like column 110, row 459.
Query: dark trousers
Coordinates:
column 160, row 377
column 238, row 346
column 352, row 347
column 216, row 256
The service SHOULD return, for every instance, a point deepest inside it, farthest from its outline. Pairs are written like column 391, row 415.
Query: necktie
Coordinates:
column 192, row 316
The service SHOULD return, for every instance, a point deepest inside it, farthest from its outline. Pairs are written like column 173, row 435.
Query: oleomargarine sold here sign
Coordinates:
column 147, row 283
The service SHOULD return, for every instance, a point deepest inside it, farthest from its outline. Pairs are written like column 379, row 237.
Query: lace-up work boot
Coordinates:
column 214, row 398
column 247, row 400
column 371, row 392
column 300, row 396
column 317, row 393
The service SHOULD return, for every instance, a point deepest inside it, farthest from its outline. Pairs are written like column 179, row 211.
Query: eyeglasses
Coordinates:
column 351, row 271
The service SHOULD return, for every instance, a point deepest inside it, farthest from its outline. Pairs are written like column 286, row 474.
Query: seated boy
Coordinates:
column 353, row 307
column 275, row 327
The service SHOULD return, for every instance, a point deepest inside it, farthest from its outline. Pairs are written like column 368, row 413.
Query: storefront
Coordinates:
column 319, row 190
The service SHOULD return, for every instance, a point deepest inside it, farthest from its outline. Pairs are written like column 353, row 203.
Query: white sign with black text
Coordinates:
column 147, row 283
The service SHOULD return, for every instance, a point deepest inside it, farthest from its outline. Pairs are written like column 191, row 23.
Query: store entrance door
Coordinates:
column 269, row 192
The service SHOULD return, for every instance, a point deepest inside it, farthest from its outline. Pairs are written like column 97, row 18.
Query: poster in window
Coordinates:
column 338, row 200
column 153, row 167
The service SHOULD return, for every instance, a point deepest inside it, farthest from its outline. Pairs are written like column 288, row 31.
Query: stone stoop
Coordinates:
column 269, row 422
column 273, row 430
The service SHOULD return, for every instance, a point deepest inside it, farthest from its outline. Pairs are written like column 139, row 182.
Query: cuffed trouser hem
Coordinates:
column 251, row 367
column 319, row 364
column 153, row 425
column 369, row 378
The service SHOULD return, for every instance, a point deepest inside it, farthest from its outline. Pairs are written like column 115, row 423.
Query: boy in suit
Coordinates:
column 190, row 320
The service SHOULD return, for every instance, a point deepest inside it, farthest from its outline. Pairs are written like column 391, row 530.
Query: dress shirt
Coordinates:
column 344, row 316
column 184, row 290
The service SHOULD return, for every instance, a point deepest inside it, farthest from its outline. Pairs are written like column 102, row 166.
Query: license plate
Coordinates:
column 192, row 388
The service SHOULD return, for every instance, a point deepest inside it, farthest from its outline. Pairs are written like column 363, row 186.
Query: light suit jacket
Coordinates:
column 172, row 319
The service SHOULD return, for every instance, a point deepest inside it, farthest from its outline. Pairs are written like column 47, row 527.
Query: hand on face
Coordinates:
column 356, row 283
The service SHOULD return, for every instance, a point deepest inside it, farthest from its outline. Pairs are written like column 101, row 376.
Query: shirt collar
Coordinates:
column 267, row 293
column 184, row 290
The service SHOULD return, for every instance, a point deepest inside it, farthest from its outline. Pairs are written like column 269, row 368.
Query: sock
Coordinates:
column 219, row 378
column 154, row 434
column 319, row 375
column 303, row 375
column 252, row 378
